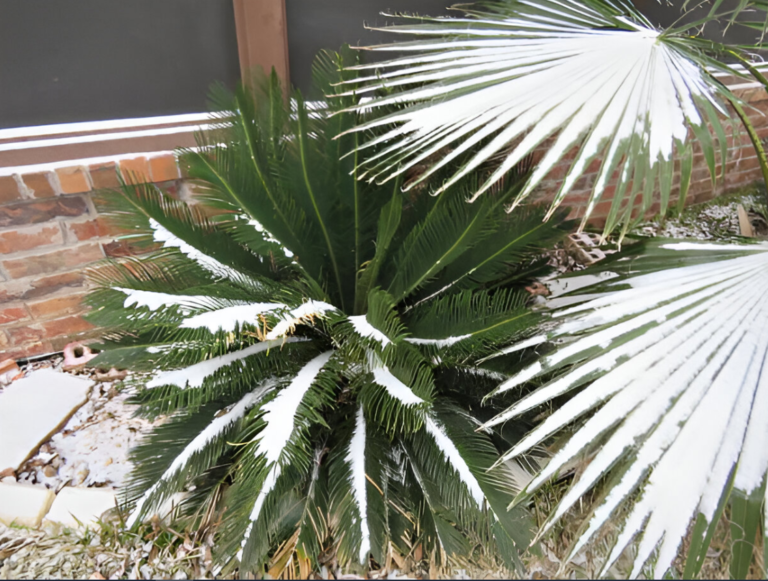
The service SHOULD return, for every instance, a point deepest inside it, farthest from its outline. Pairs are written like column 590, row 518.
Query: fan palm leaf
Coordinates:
column 667, row 368
column 583, row 85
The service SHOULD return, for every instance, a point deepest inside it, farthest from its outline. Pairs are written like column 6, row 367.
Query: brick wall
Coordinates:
column 742, row 167
column 50, row 231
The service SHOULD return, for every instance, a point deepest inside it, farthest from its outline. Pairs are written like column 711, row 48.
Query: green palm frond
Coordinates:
column 292, row 333
column 559, row 77
column 666, row 369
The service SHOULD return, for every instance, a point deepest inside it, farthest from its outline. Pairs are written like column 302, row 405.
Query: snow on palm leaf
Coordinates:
column 309, row 343
column 569, row 74
column 674, row 365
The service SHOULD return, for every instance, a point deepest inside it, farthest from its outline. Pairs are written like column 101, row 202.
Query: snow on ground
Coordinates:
column 715, row 220
column 92, row 449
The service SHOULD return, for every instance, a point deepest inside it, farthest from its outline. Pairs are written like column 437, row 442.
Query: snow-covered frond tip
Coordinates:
column 256, row 225
column 217, row 427
column 194, row 375
column 279, row 419
column 681, row 404
column 454, row 458
column 156, row 300
column 525, row 344
column 481, row 372
column 306, row 312
column 365, row 329
column 280, row 412
column 165, row 349
column 703, row 246
column 356, row 459
column 226, row 319
column 606, row 86
column 169, row 240
column 395, row 388
column 438, row 343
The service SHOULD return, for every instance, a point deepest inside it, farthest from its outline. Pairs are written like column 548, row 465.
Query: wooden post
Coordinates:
column 262, row 36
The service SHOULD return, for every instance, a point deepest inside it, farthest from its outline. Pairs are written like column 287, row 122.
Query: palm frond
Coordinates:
column 671, row 366
column 197, row 456
column 594, row 77
column 282, row 419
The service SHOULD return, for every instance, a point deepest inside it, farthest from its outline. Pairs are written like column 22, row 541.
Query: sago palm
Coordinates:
column 312, row 340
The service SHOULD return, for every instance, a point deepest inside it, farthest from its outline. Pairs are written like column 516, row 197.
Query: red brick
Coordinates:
column 701, row 198
column 585, row 182
column 602, row 209
column 746, row 94
column 701, row 174
column 576, row 212
column 73, row 180
column 13, row 290
column 108, row 227
column 559, row 171
column 121, row 248
column 576, row 198
column 163, row 168
column 100, row 227
column 597, row 222
column 594, row 166
column 743, row 177
column 57, row 306
column 104, row 176
column 67, row 326
column 9, row 189
column 86, row 337
column 83, row 230
column 700, row 186
column 743, row 164
column 135, row 170
column 41, row 286
column 29, row 238
column 761, row 105
column 28, row 350
column 55, row 282
column 53, row 261
column 39, row 184
column 13, row 314
column 22, row 214
column 25, row 334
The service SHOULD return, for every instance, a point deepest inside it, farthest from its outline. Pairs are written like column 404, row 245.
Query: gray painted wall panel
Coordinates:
column 83, row 60
column 317, row 24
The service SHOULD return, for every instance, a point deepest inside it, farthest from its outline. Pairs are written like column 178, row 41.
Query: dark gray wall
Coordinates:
column 317, row 24
column 82, row 60
column 663, row 14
